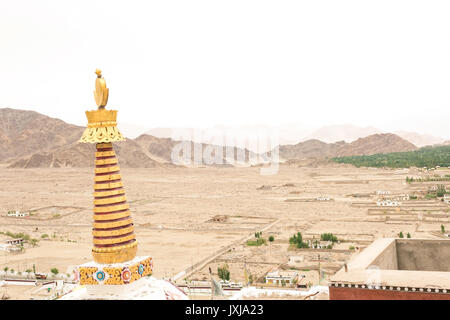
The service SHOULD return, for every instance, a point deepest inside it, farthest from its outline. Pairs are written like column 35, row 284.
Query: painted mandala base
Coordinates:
column 93, row 273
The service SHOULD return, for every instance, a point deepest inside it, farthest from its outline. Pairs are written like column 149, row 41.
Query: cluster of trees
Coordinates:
column 55, row 271
column 259, row 240
column 223, row 272
column 18, row 235
column 328, row 237
column 400, row 235
column 428, row 178
column 440, row 192
column 429, row 157
column 297, row 240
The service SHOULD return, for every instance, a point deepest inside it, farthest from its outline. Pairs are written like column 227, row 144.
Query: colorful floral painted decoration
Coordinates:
column 114, row 274
column 100, row 275
column 141, row 269
column 126, row 275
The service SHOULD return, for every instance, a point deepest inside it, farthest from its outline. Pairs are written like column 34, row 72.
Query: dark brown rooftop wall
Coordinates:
column 337, row 293
column 429, row 255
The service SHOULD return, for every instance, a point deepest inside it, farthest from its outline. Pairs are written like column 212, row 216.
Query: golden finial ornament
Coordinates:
column 101, row 92
column 102, row 125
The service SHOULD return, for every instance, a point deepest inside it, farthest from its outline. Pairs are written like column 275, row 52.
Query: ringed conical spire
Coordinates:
column 113, row 231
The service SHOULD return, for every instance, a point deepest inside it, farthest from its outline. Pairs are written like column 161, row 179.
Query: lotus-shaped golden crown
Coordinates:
column 102, row 125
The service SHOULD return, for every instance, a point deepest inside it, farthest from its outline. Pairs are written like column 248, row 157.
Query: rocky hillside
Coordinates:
column 33, row 140
column 129, row 154
column 310, row 149
column 376, row 143
column 26, row 132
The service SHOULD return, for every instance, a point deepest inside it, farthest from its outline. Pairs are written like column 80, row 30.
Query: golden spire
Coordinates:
column 114, row 242
column 114, row 239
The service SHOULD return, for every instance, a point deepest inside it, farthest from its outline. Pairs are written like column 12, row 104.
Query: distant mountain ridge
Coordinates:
column 33, row 140
column 373, row 144
column 346, row 132
column 290, row 135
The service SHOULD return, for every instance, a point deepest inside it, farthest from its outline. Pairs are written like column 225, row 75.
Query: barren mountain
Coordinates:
column 129, row 154
column 419, row 140
column 26, row 132
column 345, row 132
column 376, row 143
column 161, row 149
column 32, row 140
column 310, row 149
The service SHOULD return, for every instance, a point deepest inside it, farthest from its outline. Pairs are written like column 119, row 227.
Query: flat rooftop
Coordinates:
column 418, row 264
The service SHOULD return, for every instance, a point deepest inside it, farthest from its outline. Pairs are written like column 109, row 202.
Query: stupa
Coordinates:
column 116, row 272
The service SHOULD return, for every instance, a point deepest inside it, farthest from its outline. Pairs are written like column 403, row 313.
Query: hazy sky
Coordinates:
column 205, row 63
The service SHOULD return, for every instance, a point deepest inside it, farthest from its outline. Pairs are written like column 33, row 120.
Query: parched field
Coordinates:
column 174, row 212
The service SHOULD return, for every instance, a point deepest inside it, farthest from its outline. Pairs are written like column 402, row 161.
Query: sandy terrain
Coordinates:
column 172, row 209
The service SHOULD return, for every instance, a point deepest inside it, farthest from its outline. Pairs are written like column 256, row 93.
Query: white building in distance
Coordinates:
column 388, row 203
column 18, row 214
column 278, row 277
column 447, row 198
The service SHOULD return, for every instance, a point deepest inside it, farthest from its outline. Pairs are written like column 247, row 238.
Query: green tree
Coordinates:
column 297, row 240
column 5, row 269
column 429, row 157
column 223, row 272
column 400, row 235
column 54, row 271
column 408, row 235
column 271, row 238
column 440, row 190
column 328, row 237
column 442, row 228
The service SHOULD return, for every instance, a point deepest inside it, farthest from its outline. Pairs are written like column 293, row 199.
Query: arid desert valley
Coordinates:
column 192, row 220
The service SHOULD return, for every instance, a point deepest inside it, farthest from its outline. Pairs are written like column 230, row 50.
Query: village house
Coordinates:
column 16, row 242
column 280, row 277
column 316, row 244
column 387, row 203
column 447, row 198
column 402, row 197
column 383, row 192
column 18, row 214
column 323, row 198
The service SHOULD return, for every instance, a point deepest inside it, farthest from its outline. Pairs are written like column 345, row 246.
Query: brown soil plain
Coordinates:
column 173, row 209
